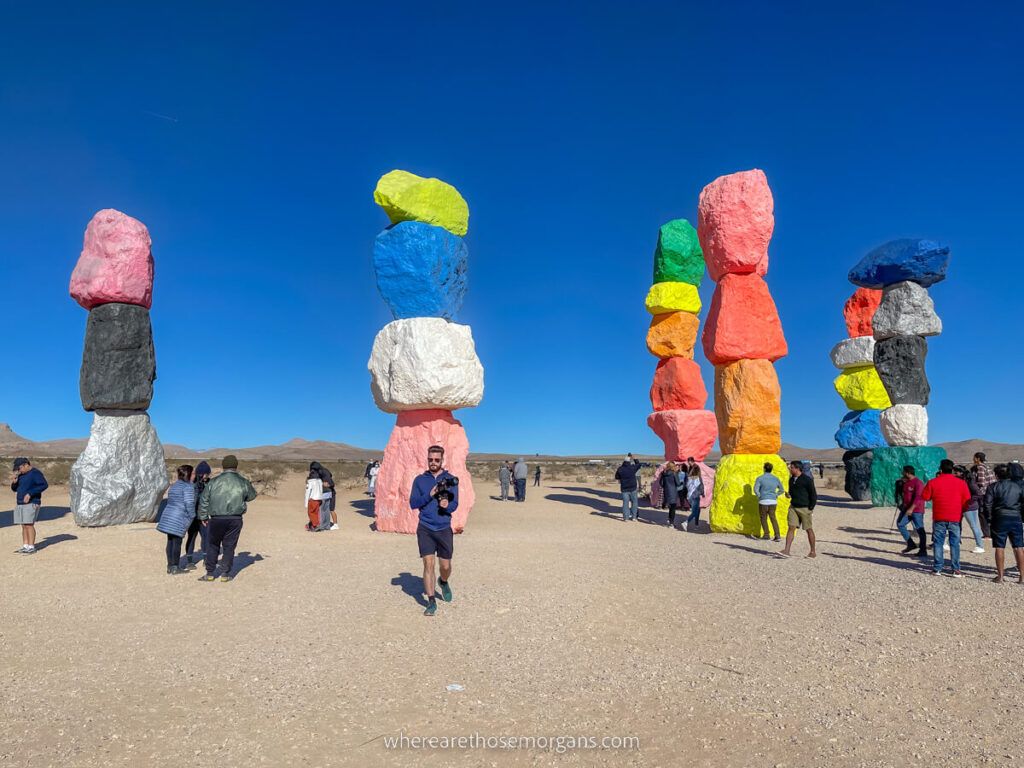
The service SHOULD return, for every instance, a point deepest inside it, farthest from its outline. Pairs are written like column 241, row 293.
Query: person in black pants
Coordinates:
column 221, row 508
column 201, row 477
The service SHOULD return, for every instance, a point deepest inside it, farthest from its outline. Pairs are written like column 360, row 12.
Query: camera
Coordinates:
column 444, row 486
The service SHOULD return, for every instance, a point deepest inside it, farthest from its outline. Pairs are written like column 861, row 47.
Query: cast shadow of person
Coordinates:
column 49, row 541
column 411, row 585
column 45, row 514
column 746, row 509
column 363, row 506
column 244, row 559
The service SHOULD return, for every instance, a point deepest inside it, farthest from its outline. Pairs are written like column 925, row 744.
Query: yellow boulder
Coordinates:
column 862, row 389
column 405, row 196
column 734, row 505
column 672, row 297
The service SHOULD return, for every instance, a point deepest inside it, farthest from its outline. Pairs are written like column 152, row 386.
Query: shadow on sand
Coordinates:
column 411, row 585
column 45, row 513
column 843, row 503
column 363, row 506
column 49, row 541
column 244, row 559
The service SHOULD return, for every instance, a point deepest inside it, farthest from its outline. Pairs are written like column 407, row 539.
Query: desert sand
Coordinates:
column 566, row 622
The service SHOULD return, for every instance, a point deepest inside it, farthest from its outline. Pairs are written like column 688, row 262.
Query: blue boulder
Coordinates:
column 922, row 261
column 861, row 430
column 421, row 270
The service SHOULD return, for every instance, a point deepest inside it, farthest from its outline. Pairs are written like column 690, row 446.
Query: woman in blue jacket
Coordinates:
column 177, row 516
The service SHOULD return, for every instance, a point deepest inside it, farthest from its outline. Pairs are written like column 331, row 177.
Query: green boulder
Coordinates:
column 678, row 257
column 887, row 466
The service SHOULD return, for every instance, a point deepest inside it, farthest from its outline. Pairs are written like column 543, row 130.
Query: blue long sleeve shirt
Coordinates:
column 32, row 483
column 420, row 498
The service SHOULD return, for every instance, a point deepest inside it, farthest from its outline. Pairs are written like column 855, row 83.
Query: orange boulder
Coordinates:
column 743, row 322
column 685, row 433
column 859, row 310
column 673, row 334
column 678, row 384
column 748, row 401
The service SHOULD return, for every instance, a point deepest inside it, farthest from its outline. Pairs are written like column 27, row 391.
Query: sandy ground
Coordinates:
column 566, row 623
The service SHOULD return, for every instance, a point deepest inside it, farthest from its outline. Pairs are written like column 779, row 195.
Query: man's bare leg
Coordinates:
column 428, row 576
column 1018, row 553
column 28, row 535
column 446, row 569
column 1000, row 561
column 789, row 541
column 810, row 540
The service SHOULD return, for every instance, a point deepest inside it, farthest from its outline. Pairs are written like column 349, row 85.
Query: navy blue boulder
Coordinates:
column 921, row 261
column 421, row 270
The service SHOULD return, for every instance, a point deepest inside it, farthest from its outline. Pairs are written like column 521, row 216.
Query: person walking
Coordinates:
column 374, row 472
column 313, row 501
column 912, row 506
column 536, row 477
column 768, row 488
column 504, row 478
column 626, row 475
column 694, row 493
column 434, row 532
column 972, row 513
column 804, row 499
column 200, row 477
column 519, row 473
column 949, row 496
column 28, row 484
column 1004, row 506
column 670, row 491
column 221, row 507
column 177, row 516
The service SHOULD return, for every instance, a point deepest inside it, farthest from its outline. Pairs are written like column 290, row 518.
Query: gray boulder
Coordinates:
column 118, row 361
column 906, row 310
column 120, row 477
column 858, row 474
column 900, row 364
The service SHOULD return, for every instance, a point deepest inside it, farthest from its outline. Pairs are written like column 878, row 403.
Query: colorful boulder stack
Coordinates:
column 423, row 365
column 120, row 477
column 678, row 395
column 860, row 431
column 895, row 385
column 742, row 338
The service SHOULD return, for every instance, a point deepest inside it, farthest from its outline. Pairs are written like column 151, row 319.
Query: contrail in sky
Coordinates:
column 162, row 117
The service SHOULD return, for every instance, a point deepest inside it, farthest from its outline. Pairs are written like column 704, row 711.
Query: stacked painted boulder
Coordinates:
column 120, row 477
column 423, row 365
column 895, row 385
column 678, row 395
column 743, row 338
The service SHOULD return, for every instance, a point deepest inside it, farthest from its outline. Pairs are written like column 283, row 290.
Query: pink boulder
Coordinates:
column 685, row 433
column 707, row 476
column 116, row 265
column 735, row 223
column 405, row 457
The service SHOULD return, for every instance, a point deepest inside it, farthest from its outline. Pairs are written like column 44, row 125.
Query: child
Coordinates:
column 314, row 495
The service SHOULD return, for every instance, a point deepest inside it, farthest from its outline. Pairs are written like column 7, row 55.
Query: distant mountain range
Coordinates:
column 298, row 449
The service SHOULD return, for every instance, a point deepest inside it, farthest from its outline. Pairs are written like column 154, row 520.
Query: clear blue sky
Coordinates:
column 573, row 130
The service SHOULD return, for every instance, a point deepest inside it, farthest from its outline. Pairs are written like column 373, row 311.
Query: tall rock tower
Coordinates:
column 742, row 338
column 423, row 365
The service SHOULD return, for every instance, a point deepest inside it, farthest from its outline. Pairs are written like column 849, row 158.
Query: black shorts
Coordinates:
column 1004, row 528
column 435, row 542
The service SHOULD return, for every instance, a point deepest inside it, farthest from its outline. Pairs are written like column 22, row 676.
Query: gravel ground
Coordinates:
column 566, row 622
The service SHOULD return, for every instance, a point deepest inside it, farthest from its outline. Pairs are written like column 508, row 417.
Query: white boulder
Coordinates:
column 905, row 425
column 906, row 310
column 425, row 362
column 854, row 353
column 120, row 477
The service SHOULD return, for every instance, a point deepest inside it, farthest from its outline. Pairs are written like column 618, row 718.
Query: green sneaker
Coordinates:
column 446, row 591
column 431, row 608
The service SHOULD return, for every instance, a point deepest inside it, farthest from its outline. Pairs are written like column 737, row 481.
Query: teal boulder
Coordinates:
column 678, row 257
column 887, row 466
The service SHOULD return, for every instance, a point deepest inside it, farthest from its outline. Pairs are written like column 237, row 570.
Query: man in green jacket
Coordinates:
column 221, row 506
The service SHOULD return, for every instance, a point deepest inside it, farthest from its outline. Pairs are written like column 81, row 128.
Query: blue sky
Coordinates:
column 573, row 130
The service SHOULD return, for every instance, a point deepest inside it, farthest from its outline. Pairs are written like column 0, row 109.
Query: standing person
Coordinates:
column 201, row 477
column 768, row 488
column 177, row 516
column 626, row 475
column 972, row 511
column 221, row 507
column 434, row 532
column 374, row 471
column 670, row 491
column 694, row 493
column 313, row 501
column 504, row 478
column 328, row 516
column 366, row 477
column 912, row 505
column 984, row 477
column 520, row 472
column 805, row 498
column 1004, row 506
column 28, row 485
column 949, row 496
column 536, row 477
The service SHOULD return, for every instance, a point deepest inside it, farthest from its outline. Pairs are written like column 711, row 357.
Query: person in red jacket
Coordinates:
column 949, row 496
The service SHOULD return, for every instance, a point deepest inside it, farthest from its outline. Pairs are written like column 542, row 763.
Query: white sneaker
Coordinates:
column 945, row 547
column 334, row 527
column 978, row 550
column 684, row 525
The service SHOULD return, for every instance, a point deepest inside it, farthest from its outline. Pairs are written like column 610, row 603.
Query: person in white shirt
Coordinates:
column 314, row 495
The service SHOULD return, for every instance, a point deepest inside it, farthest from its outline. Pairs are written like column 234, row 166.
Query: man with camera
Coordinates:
column 435, row 494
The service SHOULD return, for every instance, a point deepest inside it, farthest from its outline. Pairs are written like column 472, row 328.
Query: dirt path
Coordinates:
column 566, row 622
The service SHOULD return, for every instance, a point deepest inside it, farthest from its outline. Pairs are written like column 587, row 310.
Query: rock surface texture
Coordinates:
column 118, row 360
column 673, row 334
column 678, row 257
column 859, row 311
column 748, row 401
column 923, row 261
column 887, row 465
column 900, row 362
column 685, row 433
column 404, row 459
column 905, row 425
column 906, row 309
column 405, row 196
column 861, row 430
column 858, row 474
column 425, row 363
column 121, row 476
column 672, row 297
column 735, row 221
column 861, row 389
column 678, row 384
column 421, row 270
column 853, row 353
column 116, row 264
column 734, row 508
column 743, row 322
